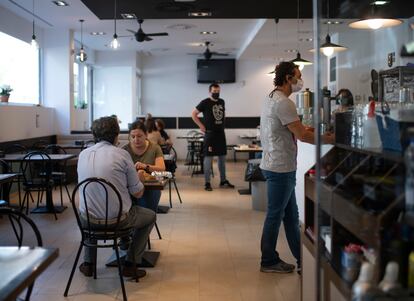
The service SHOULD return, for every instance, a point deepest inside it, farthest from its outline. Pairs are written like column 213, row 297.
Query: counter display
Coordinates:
column 361, row 203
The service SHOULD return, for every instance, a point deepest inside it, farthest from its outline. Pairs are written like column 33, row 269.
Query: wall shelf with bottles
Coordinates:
column 362, row 194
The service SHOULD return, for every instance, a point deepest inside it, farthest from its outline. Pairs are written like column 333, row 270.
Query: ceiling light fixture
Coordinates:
column 375, row 20
column 331, row 22
column 199, row 14
column 33, row 42
column 114, row 43
column 299, row 61
column 60, row 3
column 328, row 48
column 382, row 2
column 208, row 32
column 98, row 33
column 128, row 16
column 82, row 54
column 271, row 73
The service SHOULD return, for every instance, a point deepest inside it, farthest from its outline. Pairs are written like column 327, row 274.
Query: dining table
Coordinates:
column 49, row 207
column 20, row 266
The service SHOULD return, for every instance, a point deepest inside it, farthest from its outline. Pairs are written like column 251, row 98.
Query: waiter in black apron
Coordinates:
column 213, row 110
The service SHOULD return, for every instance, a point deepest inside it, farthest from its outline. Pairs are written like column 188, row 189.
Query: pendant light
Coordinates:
column 299, row 61
column 271, row 73
column 33, row 42
column 82, row 54
column 375, row 20
column 114, row 42
column 328, row 48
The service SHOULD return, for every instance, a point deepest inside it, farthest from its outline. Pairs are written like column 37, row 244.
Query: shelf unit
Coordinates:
column 361, row 196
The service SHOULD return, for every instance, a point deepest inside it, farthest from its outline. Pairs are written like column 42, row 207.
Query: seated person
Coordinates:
column 160, row 125
column 105, row 160
column 153, row 134
column 345, row 100
column 147, row 156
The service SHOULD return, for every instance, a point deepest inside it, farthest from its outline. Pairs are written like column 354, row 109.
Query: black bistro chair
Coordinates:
column 59, row 170
column 36, row 169
column 93, row 235
column 17, row 149
column 21, row 223
column 4, row 188
column 171, row 166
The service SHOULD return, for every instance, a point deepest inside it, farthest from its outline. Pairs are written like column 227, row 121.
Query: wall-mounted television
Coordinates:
column 216, row 71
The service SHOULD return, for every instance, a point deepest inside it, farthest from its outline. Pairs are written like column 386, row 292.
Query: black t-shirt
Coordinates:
column 213, row 113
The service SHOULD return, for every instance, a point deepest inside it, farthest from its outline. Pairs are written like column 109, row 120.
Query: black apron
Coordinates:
column 215, row 143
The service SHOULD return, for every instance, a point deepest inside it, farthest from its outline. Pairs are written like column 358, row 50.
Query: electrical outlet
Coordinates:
column 391, row 59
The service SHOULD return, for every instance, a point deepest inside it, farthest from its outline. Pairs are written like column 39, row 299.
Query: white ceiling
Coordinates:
column 233, row 35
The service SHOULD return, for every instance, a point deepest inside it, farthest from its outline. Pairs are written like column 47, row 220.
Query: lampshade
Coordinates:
column 299, row 61
column 374, row 23
column 328, row 48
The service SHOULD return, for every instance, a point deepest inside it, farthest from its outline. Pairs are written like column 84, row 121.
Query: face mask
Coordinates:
column 343, row 101
column 215, row 95
column 298, row 86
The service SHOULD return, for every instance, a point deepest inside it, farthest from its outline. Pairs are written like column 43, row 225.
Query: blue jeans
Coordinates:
column 149, row 200
column 281, row 207
column 208, row 165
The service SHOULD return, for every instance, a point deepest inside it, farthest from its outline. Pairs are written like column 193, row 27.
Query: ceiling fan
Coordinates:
column 208, row 53
column 141, row 36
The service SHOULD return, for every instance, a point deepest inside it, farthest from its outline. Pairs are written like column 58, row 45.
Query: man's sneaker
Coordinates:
column 208, row 187
column 280, row 267
column 131, row 271
column 227, row 184
column 86, row 269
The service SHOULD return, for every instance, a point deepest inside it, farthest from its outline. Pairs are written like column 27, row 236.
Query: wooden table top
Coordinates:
column 7, row 177
column 19, row 267
column 155, row 185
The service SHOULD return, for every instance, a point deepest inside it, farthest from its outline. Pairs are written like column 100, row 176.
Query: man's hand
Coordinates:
column 203, row 128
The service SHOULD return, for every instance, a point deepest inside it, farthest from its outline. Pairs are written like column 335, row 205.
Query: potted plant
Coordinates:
column 5, row 93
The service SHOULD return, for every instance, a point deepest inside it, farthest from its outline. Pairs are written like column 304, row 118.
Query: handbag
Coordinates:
column 253, row 173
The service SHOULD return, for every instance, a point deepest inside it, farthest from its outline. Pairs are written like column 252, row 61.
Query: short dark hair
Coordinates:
column 150, row 125
column 137, row 125
column 161, row 123
column 283, row 69
column 214, row 85
column 105, row 129
column 347, row 93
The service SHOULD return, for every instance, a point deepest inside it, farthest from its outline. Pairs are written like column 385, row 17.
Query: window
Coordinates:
column 20, row 69
column 81, row 81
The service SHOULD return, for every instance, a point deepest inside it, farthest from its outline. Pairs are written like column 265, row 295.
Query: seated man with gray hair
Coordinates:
column 105, row 160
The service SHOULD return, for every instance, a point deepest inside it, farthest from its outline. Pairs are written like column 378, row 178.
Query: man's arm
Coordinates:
column 308, row 136
column 197, row 120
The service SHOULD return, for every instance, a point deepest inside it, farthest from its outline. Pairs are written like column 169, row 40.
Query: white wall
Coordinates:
column 57, row 76
column 170, row 86
column 23, row 122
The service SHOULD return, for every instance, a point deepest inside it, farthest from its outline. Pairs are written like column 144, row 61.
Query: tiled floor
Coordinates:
column 210, row 250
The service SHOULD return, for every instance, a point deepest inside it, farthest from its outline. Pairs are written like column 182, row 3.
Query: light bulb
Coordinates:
column 34, row 43
column 374, row 23
column 82, row 55
column 115, row 43
column 301, row 66
column 327, row 51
